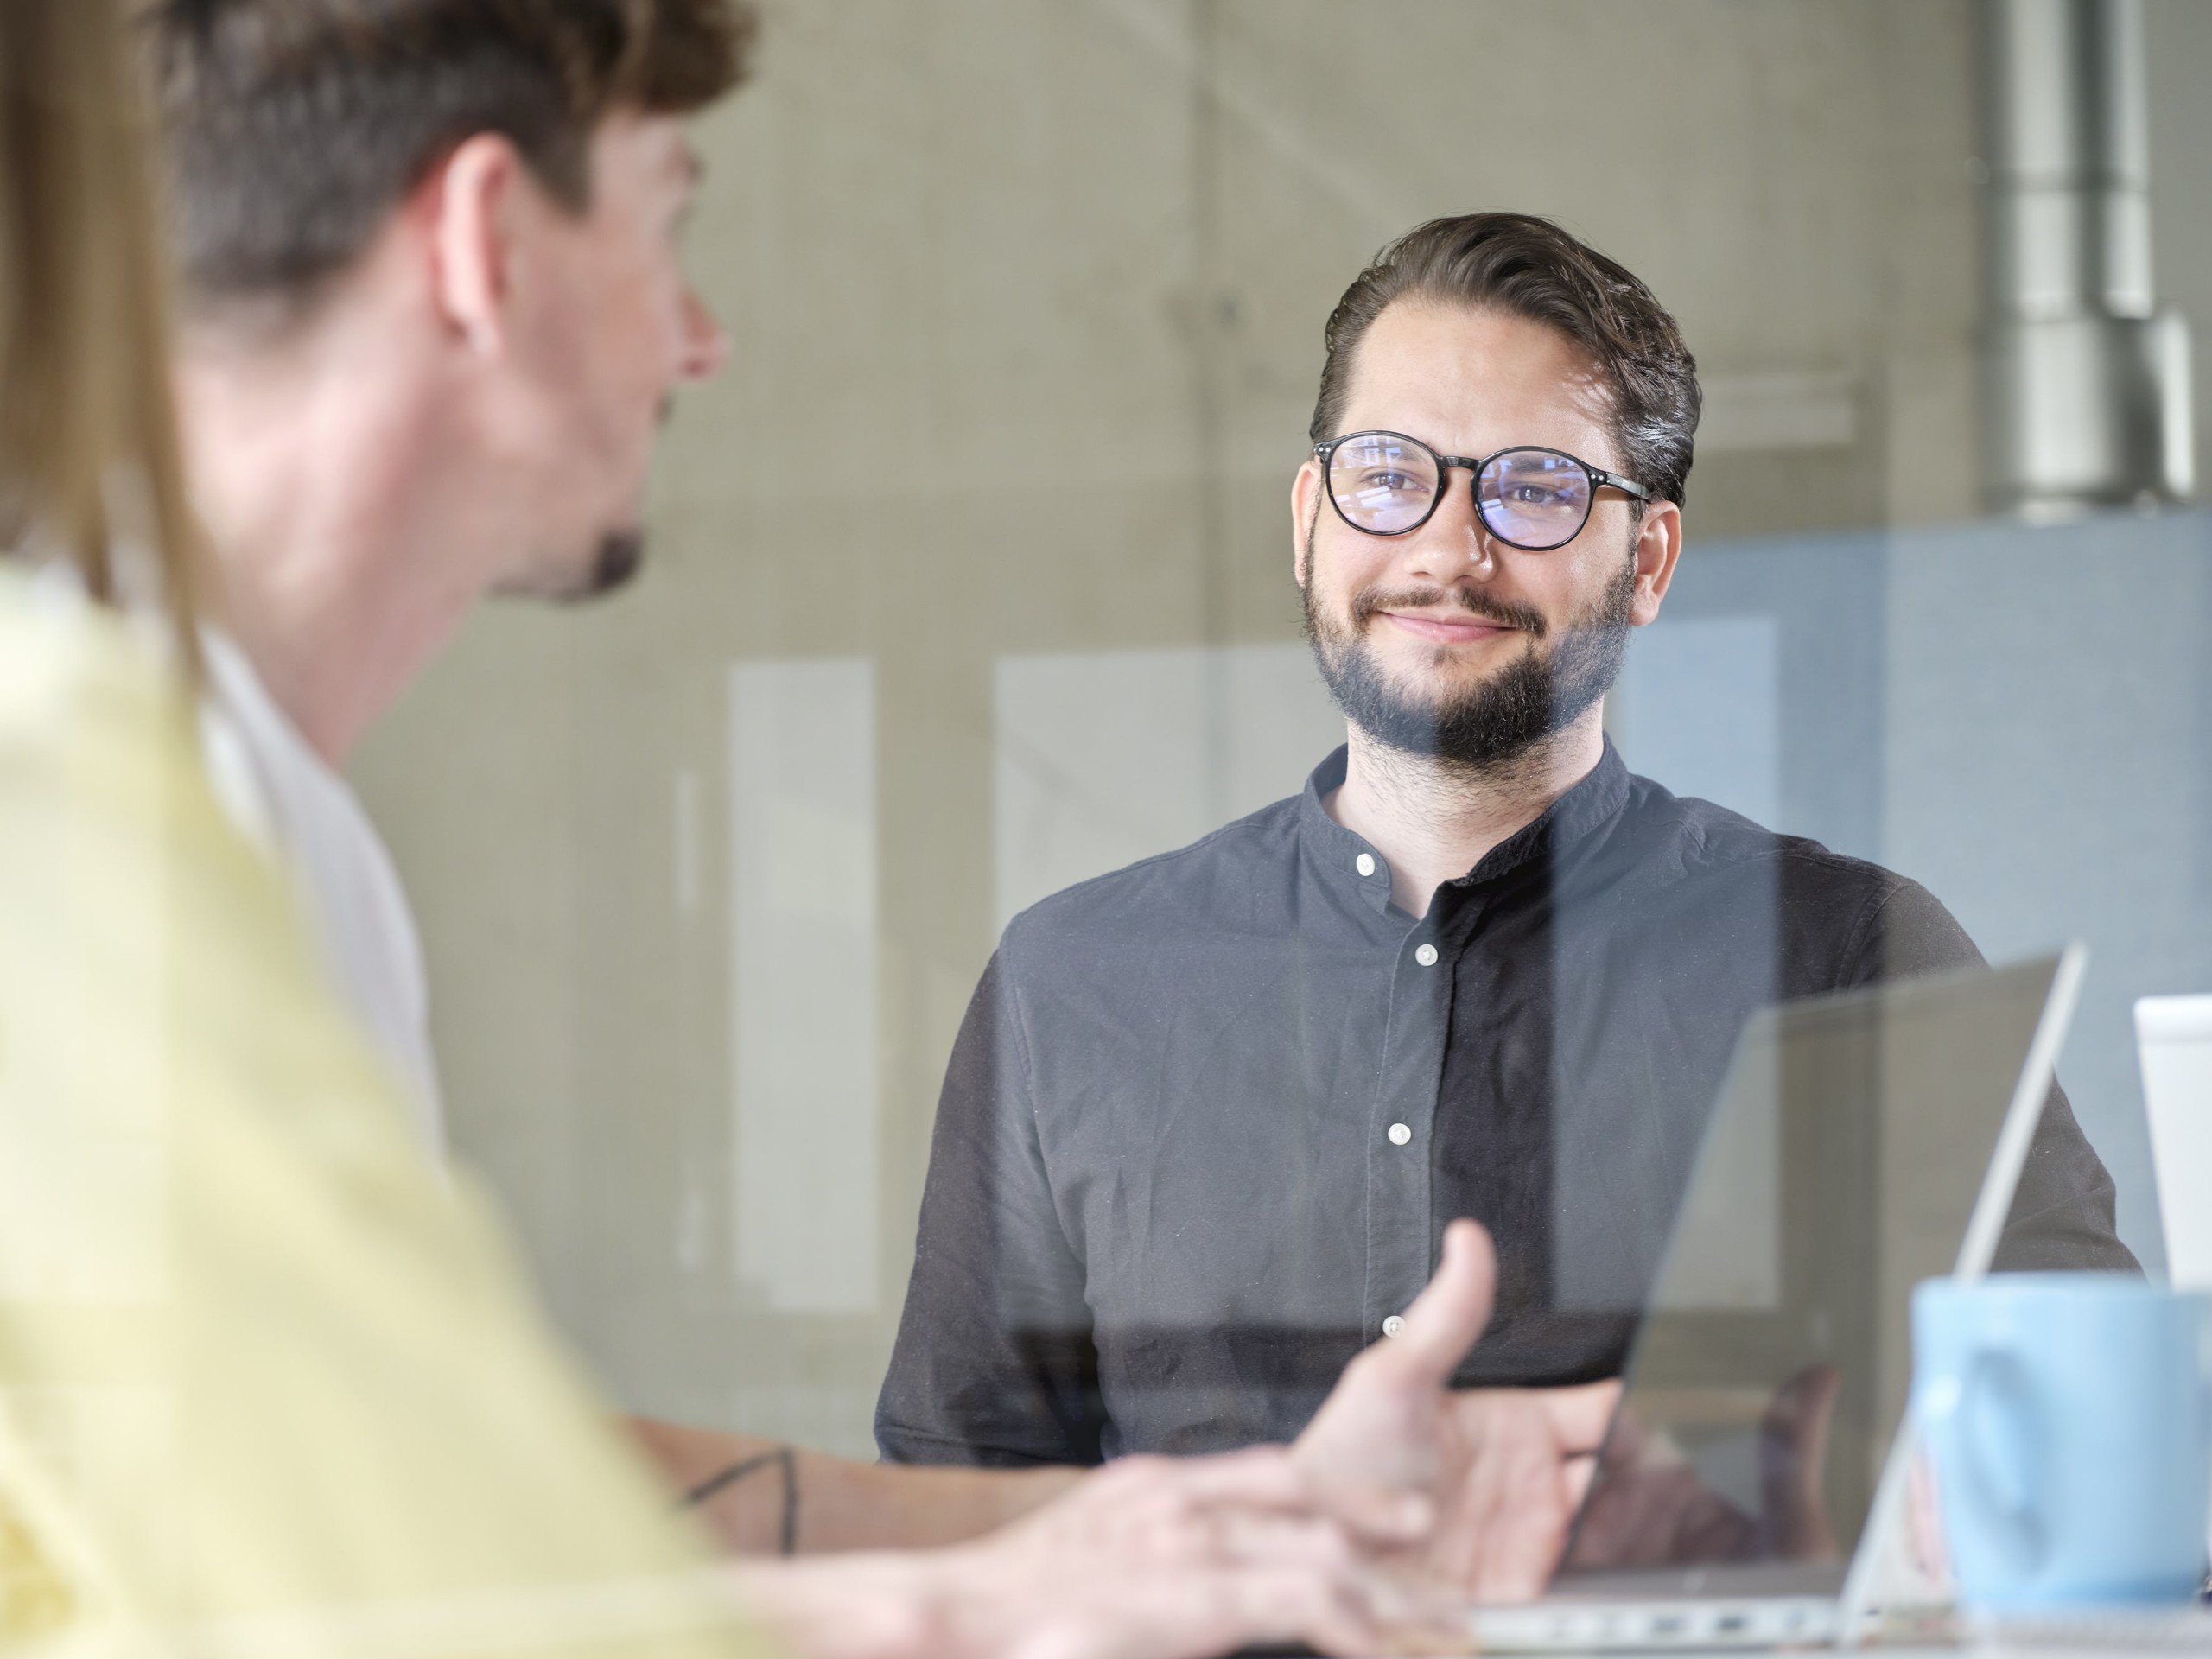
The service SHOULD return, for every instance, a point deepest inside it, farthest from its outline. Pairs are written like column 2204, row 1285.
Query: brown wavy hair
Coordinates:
column 1529, row 267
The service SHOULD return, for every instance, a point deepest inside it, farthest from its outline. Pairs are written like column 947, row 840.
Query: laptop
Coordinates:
column 1755, row 1483
column 2173, row 1038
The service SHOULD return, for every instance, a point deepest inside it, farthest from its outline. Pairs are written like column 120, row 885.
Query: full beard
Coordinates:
column 1496, row 724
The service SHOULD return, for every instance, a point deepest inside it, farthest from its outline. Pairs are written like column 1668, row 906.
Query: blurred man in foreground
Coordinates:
column 265, row 1382
column 270, row 1384
column 435, row 314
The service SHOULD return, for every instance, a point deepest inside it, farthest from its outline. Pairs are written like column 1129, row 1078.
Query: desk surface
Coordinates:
column 2089, row 1633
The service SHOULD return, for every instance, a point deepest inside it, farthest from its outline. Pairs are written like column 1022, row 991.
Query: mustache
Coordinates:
column 1369, row 601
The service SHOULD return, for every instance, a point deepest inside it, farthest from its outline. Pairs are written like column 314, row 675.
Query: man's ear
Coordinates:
column 1305, row 518
column 1658, row 545
column 471, row 203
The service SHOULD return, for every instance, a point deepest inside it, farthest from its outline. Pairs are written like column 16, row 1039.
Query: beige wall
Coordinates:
column 1026, row 302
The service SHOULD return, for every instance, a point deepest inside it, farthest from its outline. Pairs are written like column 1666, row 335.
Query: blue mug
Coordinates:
column 2067, row 1422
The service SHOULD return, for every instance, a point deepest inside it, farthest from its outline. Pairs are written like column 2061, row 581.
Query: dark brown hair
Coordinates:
column 1530, row 267
column 296, row 127
column 88, row 442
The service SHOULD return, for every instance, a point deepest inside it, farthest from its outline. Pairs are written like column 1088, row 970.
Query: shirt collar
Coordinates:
column 1590, row 805
column 1334, row 847
column 252, row 748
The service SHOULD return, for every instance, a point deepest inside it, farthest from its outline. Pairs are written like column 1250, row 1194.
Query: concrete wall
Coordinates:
column 1027, row 302
column 2178, row 40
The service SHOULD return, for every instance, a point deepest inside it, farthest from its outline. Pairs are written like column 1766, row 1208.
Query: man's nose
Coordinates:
column 1454, row 542
column 706, row 348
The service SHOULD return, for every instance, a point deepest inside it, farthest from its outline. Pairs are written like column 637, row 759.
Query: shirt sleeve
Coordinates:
column 2063, row 1216
column 994, row 1364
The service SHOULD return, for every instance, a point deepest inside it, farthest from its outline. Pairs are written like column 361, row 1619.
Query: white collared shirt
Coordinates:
column 286, row 798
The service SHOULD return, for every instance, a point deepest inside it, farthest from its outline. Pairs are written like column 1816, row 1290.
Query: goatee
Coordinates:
column 1493, row 724
column 614, row 560
column 621, row 552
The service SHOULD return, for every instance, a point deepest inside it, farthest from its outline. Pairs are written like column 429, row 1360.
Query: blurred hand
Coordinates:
column 1499, row 1472
column 1157, row 1558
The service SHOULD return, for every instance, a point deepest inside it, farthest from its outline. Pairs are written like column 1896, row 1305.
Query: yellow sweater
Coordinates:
column 268, row 1385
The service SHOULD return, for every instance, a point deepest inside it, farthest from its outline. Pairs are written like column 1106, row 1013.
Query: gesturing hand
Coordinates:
column 1503, row 1469
column 1149, row 1558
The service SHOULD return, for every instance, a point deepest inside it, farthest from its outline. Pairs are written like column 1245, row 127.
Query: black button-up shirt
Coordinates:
column 1207, row 1117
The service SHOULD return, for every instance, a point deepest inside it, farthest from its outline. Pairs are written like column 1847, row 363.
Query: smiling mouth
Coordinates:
column 1445, row 617
column 1449, row 628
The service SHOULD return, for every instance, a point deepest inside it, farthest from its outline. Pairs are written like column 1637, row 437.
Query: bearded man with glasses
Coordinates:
column 1208, row 1116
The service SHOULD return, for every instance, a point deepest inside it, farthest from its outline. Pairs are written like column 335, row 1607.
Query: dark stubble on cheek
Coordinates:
column 1494, row 723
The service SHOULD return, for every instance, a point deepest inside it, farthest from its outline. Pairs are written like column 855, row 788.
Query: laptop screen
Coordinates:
column 1839, row 1168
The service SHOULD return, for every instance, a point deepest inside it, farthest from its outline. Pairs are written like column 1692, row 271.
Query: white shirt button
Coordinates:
column 1399, row 1134
column 1392, row 1325
column 1364, row 863
column 1426, row 956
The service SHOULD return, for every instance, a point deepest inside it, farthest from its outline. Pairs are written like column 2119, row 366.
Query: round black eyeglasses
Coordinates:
column 1388, row 484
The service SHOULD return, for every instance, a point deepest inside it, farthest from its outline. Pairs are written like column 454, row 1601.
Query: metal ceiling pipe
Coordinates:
column 2086, row 389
